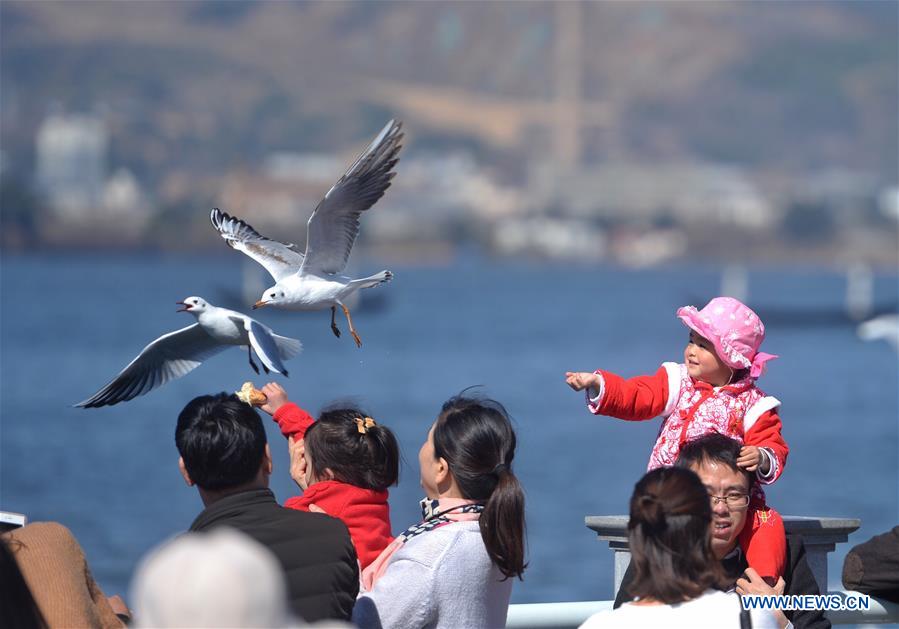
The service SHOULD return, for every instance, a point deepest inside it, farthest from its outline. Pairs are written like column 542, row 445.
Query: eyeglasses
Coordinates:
column 733, row 500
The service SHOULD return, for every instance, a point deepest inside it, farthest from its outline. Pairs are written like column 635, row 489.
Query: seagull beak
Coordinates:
column 184, row 309
column 259, row 304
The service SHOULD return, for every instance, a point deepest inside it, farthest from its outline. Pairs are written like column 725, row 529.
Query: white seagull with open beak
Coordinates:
column 311, row 280
column 174, row 354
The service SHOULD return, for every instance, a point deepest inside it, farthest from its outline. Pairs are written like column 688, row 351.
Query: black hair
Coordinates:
column 17, row 605
column 670, row 539
column 221, row 440
column 476, row 439
column 356, row 449
column 713, row 448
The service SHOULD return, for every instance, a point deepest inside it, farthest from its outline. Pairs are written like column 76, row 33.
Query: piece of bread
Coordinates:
column 251, row 395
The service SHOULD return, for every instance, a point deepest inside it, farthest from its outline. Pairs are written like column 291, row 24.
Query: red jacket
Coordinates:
column 690, row 409
column 364, row 511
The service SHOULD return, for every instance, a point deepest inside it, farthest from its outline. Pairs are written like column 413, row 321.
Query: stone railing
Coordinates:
column 821, row 535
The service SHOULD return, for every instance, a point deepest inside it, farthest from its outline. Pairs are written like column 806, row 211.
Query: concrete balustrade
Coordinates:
column 821, row 535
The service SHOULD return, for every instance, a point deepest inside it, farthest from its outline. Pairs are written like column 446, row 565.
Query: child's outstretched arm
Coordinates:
column 292, row 420
column 764, row 449
column 639, row 398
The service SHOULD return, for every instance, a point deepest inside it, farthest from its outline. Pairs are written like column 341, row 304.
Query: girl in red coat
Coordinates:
column 344, row 463
column 713, row 390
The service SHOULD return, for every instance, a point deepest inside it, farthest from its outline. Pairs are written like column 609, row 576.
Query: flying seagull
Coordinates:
column 885, row 327
column 175, row 354
column 312, row 280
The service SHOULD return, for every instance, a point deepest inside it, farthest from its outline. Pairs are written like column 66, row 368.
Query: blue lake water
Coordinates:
column 69, row 323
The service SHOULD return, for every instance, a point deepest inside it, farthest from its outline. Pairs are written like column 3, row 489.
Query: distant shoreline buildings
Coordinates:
column 72, row 172
column 632, row 213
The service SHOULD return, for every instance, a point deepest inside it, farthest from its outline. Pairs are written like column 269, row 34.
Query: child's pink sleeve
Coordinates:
column 292, row 420
column 639, row 398
column 766, row 433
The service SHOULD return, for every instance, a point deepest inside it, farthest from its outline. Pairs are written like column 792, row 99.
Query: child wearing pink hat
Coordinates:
column 713, row 390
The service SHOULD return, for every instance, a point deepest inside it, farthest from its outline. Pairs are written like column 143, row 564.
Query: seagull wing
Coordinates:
column 333, row 226
column 265, row 346
column 279, row 259
column 170, row 356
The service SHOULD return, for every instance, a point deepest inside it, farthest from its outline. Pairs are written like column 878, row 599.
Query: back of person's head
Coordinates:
column 712, row 448
column 354, row 448
column 476, row 438
column 217, row 579
column 669, row 537
column 221, row 440
column 17, row 605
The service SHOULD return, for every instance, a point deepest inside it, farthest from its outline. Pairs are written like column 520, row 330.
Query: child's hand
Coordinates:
column 277, row 397
column 750, row 458
column 580, row 380
column 297, row 451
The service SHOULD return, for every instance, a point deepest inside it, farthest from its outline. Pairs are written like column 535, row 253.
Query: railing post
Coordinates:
column 613, row 529
column 821, row 535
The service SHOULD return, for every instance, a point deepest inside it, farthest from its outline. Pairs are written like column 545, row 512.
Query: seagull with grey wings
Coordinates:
column 175, row 354
column 313, row 280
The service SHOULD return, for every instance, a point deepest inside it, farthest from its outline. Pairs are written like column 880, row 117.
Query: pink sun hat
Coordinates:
column 735, row 331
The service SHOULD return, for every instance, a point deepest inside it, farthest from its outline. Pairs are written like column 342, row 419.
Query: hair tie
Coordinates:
column 363, row 424
column 499, row 468
column 652, row 512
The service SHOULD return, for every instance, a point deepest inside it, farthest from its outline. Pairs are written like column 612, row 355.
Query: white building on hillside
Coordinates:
column 71, row 163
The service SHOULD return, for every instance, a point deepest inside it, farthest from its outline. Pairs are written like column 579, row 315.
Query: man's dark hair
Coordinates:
column 222, row 441
column 712, row 448
column 17, row 605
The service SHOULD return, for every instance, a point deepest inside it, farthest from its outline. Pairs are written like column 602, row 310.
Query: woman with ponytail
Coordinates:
column 456, row 567
column 677, row 574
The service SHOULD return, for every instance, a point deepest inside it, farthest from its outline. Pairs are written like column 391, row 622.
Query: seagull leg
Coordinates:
column 334, row 327
column 250, row 356
column 349, row 320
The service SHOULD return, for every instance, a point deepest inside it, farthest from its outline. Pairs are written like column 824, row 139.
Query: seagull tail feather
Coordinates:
column 287, row 347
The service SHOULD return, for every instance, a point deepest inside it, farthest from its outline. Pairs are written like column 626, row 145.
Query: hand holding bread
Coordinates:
column 277, row 397
column 251, row 395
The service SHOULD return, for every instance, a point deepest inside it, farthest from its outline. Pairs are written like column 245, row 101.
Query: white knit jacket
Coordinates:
column 442, row 579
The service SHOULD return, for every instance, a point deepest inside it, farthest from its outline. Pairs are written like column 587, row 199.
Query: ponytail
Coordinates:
column 502, row 525
column 477, row 440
